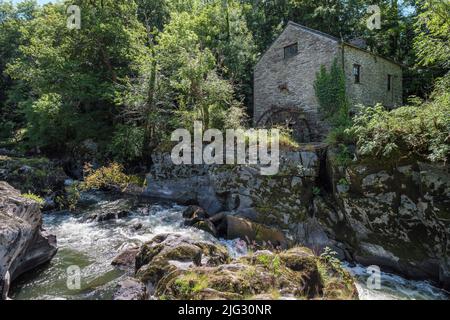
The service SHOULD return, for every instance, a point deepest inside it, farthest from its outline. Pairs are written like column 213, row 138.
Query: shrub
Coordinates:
column 32, row 196
column 71, row 197
column 111, row 177
column 419, row 130
column 287, row 141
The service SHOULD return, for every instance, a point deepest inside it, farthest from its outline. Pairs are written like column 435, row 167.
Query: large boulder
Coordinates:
column 175, row 267
column 23, row 243
column 168, row 252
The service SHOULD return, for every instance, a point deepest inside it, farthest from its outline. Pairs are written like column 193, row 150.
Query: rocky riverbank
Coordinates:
column 24, row 245
column 172, row 266
column 395, row 216
column 392, row 216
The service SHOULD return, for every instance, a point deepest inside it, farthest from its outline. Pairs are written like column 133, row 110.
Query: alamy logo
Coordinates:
column 374, row 280
column 374, row 21
column 263, row 148
column 74, row 20
column 73, row 278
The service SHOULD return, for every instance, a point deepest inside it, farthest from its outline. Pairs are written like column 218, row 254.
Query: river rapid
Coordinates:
column 91, row 246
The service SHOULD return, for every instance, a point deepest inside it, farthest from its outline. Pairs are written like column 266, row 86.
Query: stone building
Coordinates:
column 284, row 79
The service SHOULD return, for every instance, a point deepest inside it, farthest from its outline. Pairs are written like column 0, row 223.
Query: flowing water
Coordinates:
column 91, row 246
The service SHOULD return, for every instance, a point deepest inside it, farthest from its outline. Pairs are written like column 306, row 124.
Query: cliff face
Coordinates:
column 396, row 217
column 23, row 243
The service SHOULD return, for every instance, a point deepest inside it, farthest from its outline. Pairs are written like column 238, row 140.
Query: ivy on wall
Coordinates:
column 330, row 92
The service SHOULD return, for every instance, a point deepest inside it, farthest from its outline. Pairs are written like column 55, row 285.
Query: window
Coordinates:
column 357, row 73
column 389, row 82
column 290, row 51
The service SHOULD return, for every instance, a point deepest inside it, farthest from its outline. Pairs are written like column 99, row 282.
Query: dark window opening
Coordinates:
column 357, row 73
column 290, row 51
column 389, row 82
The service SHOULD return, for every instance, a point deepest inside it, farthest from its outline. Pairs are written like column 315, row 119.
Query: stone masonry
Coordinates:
column 287, row 83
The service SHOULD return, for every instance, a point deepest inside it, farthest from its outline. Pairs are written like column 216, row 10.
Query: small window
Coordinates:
column 389, row 82
column 290, row 51
column 357, row 73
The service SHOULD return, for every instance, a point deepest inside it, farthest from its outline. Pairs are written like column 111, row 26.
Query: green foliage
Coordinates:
column 111, row 177
column 138, row 69
column 32, row 196
column 343, row 156
column 330, row 93
column 316, row 191
column 343, row 182
column 271, row 262
column 72, row 75
column 70, row 199
column 417, row 130
column 191, row 283
column 186, row 58
column 432, row 27
column 127, row 143
column 329, row 256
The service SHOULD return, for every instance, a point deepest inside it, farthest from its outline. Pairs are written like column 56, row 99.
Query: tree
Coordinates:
column 83, row 69
column 433, row 34
column 11, row 20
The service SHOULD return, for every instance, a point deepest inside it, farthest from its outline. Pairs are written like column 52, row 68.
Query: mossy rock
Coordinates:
column 181, row 268
column 34, row 175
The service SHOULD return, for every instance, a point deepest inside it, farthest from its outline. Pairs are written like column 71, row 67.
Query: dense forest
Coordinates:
column 90, row 194
column 138, row 69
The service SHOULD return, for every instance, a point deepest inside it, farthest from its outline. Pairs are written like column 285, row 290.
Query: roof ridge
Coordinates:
column 313, row 30
column 295, row 24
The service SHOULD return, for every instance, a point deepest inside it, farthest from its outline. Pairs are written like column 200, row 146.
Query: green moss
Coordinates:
column 191, row 283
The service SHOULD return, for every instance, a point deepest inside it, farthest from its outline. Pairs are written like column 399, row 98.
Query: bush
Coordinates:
column 418, row 130
column 32, row 196
column 111, row 177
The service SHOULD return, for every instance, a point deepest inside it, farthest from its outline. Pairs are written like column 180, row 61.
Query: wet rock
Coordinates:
column 207, row 226
column 111, row 210
column 393, row 217
column 209, row 201
column 126, row 259
column 173, row 271
column 23, row 244
column 153, row 260
column 239, row 228
column 137, row 226
column 130, row 289
column 402, row 208
column 195, row 212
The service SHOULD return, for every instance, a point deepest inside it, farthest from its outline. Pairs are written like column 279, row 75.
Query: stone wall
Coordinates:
column 373, row 86
column 288, row 83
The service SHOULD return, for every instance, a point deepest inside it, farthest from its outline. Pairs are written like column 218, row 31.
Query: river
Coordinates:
column 91, row 246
